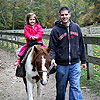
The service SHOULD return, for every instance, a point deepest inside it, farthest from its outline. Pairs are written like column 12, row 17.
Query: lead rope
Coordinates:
column 50, row 68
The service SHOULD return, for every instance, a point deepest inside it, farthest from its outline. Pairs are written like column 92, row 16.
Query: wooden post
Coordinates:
column 18, row 38
column 0, row 37
column 90, row 66
column 7, row 39
column 12, row 45
column 2, row 40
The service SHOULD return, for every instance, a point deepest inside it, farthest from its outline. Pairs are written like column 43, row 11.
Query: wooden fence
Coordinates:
column 15, row 38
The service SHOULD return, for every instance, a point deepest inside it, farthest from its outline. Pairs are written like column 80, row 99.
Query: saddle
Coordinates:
column 20, row 71
column 30, row 44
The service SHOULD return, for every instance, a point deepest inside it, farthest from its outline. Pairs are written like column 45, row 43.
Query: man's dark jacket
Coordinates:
column 67, row 44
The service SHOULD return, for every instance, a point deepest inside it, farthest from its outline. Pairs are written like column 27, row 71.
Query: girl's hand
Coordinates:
column 34, row 38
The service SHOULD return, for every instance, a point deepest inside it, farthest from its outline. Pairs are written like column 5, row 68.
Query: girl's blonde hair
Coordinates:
column 29, row 15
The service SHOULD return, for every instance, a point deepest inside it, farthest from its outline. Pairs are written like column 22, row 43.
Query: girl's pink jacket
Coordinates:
column 29, row 32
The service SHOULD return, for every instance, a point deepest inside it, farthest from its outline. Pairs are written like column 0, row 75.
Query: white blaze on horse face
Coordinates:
column 45, row 80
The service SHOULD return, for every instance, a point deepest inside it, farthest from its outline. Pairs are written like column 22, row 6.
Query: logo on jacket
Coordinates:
column 63, row 35
column 74, row 33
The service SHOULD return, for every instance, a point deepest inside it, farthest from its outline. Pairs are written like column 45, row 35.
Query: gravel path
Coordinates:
column 12, row 87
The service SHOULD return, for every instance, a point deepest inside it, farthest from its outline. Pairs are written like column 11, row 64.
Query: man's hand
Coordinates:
column 83, row 66
column 34, row 38
column 53, row 62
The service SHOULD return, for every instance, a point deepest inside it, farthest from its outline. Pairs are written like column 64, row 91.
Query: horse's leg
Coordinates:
column 24, row 79
column 29, row 89
column 39, row 90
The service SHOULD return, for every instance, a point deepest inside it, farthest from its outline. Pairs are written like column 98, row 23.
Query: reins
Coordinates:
column 48, row 71
column 50, row 68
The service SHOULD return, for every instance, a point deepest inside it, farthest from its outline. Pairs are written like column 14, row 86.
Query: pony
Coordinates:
column 36, row 67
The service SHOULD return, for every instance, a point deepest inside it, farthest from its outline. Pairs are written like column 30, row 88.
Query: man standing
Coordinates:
column 67, row 51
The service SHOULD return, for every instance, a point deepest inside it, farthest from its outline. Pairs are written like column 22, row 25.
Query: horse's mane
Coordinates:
column 41, row 49
column 44, row 50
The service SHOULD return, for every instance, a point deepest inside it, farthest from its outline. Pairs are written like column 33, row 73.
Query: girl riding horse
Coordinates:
column 33, row 31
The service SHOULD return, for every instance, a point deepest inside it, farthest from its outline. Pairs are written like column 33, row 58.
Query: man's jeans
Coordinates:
column 72, row 74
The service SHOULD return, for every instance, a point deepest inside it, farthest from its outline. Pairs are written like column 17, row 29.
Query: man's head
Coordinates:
column 64, row 15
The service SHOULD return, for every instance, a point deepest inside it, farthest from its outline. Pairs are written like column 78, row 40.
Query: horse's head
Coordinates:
column 41, row 62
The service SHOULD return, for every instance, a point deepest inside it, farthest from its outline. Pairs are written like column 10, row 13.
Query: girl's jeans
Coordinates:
column 72, row 74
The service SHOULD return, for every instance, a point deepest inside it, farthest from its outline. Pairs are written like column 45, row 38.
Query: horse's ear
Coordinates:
column 48, row 49
column 35, row 49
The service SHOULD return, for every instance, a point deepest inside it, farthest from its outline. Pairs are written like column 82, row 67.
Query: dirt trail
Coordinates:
column 12, row 87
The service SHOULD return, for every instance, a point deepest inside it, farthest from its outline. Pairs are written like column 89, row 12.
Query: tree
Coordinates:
column 46, row 11
column 19, row 9
column 52, row 12
column 13, row 12
column 92, row 16
column 5, row 18
column 92, row 2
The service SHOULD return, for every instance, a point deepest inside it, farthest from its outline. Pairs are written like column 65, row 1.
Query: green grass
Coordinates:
column 96, row 50
column 93, row 84
column 4, row 46
column 46, row 42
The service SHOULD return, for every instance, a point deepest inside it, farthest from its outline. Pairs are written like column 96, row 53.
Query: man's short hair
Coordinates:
column 63, row 8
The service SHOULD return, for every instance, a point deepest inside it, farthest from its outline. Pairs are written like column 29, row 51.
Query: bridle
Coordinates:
column 42, row 71
column 48, row 71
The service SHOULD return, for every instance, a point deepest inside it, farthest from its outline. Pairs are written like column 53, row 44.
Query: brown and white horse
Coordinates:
column 37, row 66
